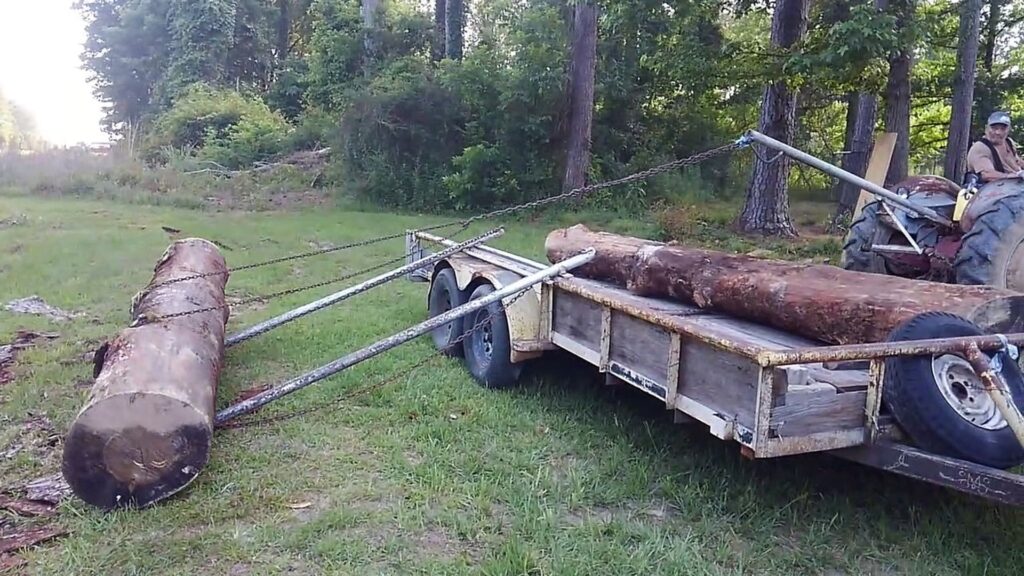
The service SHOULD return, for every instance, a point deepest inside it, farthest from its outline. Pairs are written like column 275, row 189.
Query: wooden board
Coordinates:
column 720, row 380
column 641, row 346
column 577, row 318
column 804, row 414
column 878, row 166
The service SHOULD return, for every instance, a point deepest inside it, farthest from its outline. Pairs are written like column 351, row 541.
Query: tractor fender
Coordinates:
column 987, row 195
column 524, row 315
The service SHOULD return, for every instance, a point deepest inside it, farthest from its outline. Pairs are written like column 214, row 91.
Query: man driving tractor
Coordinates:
column 995, row 157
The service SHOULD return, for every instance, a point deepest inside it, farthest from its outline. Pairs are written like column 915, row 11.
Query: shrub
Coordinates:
column 219, row 125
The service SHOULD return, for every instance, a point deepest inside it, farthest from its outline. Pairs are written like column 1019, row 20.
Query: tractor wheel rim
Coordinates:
column 964, row 392
column 1013, row 276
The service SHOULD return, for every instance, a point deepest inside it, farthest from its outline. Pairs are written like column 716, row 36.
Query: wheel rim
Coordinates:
column 963, row 391
column 483, row 338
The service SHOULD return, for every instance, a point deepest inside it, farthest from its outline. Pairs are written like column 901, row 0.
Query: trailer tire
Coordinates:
column 934, row 399
column 488, row 349
column 445, row 295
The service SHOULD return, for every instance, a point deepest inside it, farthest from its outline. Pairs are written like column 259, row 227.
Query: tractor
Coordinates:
column 977, row 240
column 930, row 228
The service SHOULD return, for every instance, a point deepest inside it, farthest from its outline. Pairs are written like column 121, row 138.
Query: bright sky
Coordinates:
column 40, row 70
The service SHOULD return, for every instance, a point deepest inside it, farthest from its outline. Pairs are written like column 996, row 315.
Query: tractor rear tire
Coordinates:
column 991, row 253
column 864, row 232
column 938, row 400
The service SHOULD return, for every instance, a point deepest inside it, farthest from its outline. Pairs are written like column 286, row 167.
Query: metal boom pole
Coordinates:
column 832, row 170
column 326, row 301
column 402, row 337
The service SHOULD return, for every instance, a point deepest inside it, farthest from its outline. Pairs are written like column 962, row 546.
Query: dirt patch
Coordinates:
column 18, row 247
column 435, row 542
column 37, row 306
column 301, row 199
column 9, row 352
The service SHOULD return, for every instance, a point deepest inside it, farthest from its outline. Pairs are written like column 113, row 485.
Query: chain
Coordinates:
column 668, row 167
column 306, row 254
column 464, row 224
column 361, row 390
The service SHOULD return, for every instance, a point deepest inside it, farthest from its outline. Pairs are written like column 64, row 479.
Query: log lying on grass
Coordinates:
column 815, row 300
column 146, row 429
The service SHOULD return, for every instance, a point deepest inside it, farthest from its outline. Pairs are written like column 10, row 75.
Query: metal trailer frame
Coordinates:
column 774, row 393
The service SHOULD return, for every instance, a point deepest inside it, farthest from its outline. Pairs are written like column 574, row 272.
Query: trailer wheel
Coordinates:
column 445, row 295
column 489, row 348
column 939, row 400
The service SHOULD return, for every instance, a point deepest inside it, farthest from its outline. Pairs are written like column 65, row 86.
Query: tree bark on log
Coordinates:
column 817, row 301
column 145, row 431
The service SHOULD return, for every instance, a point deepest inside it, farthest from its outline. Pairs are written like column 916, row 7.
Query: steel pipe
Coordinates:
column 883, row 349
column 833, row 170
column 997, row 390
column 326, row 301
column 402, row 337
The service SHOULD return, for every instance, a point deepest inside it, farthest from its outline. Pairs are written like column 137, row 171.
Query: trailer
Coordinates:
column 771, row 392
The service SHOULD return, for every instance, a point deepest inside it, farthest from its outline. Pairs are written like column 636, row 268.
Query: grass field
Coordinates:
column 430, row 474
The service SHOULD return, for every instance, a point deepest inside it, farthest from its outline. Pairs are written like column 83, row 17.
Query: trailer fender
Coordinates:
column 524, row 315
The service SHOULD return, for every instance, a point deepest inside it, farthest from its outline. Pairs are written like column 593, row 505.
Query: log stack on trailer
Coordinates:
column 818, row 301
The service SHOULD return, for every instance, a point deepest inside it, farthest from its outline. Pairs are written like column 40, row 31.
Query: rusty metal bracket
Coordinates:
column 989, row 371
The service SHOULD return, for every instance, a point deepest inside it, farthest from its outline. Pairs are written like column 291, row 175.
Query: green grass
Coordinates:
column 432, row 474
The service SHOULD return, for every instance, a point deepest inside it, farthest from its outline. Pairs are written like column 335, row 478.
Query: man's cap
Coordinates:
column 999, row 118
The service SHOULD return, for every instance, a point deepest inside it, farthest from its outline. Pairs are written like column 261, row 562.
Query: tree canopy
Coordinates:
column 466, row 105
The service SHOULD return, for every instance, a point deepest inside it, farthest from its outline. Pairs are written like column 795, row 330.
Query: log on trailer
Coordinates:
column 145, row 431
column 818, row 301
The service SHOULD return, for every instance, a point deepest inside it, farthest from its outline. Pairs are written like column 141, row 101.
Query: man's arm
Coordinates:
column 979, row 160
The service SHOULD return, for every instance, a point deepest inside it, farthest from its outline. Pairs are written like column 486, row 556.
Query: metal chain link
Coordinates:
column 361, row 390
column 464, row 224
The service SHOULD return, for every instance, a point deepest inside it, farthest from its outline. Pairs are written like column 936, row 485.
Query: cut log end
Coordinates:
column 131, row 450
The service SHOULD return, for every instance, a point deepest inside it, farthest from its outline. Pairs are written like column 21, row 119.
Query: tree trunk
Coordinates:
column 963, row 91
column 860, row 129
column 766, row 209
column 987, row 97
column 284, row 26
column 581, row 89
column 369, row 13
column 145, row 431
column 897, row 95
column 822, row 302
column 440, row 22
column 453, row 29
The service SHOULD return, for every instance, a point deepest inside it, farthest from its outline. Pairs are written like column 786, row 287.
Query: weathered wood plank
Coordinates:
column 804, row 414
column 641, row 346
column 721, row 380
column 577, row 318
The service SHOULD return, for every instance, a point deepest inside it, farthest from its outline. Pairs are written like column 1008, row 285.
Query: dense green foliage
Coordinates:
column 487, row 129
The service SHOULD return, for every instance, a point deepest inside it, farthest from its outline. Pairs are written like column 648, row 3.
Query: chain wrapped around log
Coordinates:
column 817, row 301
column 146, row 429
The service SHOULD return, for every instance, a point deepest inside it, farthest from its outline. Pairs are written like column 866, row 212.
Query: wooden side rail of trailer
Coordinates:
column 774, row 393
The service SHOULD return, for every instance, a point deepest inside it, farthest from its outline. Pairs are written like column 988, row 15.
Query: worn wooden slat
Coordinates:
column 723, row 381
column 577, row 318
column 640, row 345
column 804, row 414
column 576, row 348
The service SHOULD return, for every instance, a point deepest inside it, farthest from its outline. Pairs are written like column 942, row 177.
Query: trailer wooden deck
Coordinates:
column 709, row 368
